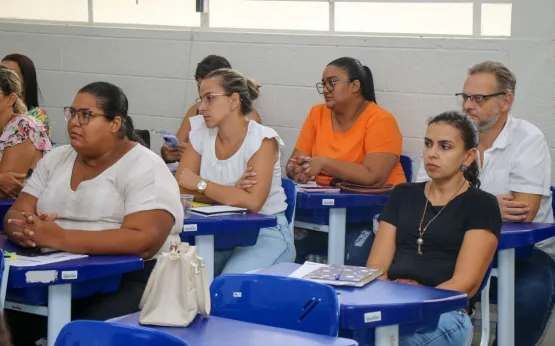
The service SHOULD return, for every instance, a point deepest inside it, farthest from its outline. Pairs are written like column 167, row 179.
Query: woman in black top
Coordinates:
column 442, row 233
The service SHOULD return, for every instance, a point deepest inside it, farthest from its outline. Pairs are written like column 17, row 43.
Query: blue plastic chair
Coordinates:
column 406, row 163
column 93, row 333
column 276, row 301
column 290, row 190
column 553, row 199
column 4, row 274
column 483, row 292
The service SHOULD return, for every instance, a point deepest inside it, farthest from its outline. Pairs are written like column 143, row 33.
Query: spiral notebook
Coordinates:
column 337, row 275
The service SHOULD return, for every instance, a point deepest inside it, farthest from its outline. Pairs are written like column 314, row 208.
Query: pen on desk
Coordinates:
column 9, row 255
column 338, row 275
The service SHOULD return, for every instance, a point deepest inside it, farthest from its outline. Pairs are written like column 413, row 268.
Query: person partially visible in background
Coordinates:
column 25, row 69
column 207, row 65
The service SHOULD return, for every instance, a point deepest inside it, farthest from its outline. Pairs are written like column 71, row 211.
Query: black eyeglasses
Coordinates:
column 83, row 115
column 329, row 84
column 477, row 99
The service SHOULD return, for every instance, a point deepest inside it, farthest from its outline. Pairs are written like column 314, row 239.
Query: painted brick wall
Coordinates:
column 414, row 77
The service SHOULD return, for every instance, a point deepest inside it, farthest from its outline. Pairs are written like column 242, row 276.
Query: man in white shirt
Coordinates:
column 515, row 165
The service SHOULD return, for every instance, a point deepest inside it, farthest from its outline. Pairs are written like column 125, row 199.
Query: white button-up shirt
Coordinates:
column 518, row 161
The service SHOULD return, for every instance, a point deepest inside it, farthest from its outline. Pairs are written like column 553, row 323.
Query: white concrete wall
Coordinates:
column 414, row 77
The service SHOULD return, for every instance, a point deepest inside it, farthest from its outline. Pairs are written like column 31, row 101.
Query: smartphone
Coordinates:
column 171, row 140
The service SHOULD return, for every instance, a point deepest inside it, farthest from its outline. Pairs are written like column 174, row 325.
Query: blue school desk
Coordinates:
column 513, row 235
column 382, row 310
column 214, row 330
column 57, row 283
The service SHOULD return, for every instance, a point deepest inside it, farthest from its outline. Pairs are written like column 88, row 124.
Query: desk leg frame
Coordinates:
column 336, row 236
column 59, row 310
column 387, row 336
column 205, row 246
column 506, row 298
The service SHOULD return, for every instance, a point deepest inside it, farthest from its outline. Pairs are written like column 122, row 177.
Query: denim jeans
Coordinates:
column 534, row 296
column 274, row 245
column 358, row 242
column 454, row 329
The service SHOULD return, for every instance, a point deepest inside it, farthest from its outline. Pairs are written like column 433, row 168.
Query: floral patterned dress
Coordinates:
column 40, row 115
column 21, row 128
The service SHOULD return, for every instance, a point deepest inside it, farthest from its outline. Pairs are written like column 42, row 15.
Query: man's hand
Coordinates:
column 511, row 210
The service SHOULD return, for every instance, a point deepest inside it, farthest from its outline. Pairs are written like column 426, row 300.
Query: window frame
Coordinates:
column 203, row 9
column 476, row 15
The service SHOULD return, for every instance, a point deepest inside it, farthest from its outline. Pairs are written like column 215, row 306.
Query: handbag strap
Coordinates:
column 356, row 188
column 201, row 283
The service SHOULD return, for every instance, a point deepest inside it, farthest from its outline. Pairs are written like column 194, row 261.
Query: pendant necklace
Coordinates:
column 421, row 231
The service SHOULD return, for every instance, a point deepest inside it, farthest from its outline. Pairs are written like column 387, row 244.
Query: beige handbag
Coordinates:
column 177, row 289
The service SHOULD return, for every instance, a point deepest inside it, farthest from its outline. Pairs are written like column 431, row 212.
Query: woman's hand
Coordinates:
column 408, row 282
column 11, row 184
column 38, row 231
column 188, row 179
column 170, row 154
column 298, row 169
column 315, row 166
column 247, row 180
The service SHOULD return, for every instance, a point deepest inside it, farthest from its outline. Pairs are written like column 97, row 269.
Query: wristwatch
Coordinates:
column 202, row 185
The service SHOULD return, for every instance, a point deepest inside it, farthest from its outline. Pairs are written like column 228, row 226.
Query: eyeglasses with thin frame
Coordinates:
column 208, row 98
column 83, row 115
column 329, row 84
column 476, row 99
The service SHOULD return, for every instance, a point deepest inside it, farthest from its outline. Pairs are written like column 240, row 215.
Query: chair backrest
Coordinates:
column 145, row 136
column 406, row 163
column 93, row 333
column 553, row 199
column 485, row 280
column 290, row 190
column 263, row 299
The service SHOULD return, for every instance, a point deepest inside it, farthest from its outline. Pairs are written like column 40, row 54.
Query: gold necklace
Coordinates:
column 420, row 240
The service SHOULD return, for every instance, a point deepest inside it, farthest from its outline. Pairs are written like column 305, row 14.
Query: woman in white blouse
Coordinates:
column 104, row 194
column 224, row 143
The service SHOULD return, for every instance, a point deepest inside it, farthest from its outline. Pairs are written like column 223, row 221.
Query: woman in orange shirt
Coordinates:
column 351, row 138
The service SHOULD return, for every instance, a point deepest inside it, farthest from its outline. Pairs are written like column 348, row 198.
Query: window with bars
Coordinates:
column 401, row 17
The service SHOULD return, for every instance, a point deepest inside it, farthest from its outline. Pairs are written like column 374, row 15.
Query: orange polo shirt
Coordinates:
column 375, row 131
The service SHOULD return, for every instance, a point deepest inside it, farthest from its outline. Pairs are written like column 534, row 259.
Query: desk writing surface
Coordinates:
column 214, row 330
column 208, row 225
column 515, row 235
column 323, row 200
column 393, row 302
column 88, row 268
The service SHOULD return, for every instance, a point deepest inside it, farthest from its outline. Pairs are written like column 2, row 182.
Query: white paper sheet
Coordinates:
column 28, row 261
column 305, row 269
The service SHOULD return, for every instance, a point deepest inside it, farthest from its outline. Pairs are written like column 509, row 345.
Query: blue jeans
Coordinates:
column 274, row 245
column 534, row 296
column 454, row 329
column 358, row 243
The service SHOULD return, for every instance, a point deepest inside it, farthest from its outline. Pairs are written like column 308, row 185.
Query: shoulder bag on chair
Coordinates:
column 357, row 188
column 177, row 289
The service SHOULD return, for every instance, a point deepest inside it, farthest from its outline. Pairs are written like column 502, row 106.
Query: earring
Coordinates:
column 464, row 168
